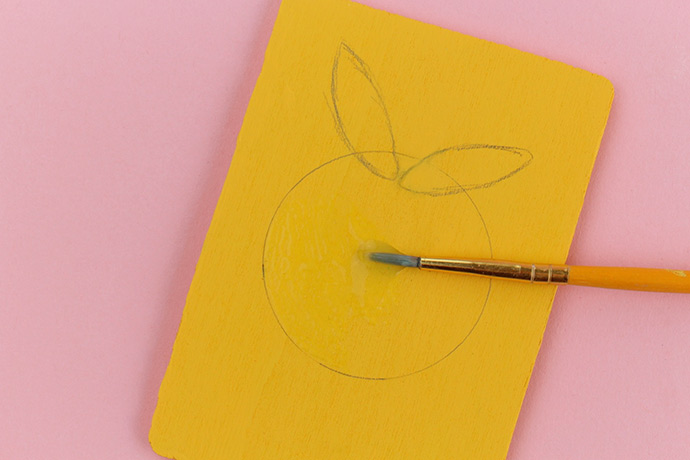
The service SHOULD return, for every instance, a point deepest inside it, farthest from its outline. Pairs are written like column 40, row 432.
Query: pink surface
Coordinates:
column 117, row 123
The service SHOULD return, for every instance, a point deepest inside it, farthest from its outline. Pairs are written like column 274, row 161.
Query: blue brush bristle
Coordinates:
column 394, row 259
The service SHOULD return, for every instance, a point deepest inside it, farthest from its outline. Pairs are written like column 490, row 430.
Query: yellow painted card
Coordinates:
column 365, row 131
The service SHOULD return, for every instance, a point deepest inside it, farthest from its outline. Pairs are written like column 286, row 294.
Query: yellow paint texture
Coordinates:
column 366, row 129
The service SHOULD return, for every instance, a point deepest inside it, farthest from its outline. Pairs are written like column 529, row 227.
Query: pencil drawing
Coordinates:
column 425, row 175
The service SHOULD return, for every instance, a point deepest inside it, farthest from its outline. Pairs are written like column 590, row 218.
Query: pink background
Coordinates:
column 117, row 124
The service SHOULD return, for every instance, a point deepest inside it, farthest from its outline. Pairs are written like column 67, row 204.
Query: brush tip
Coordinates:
column 394, row 259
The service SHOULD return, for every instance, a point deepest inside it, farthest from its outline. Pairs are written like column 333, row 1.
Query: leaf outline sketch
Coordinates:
column 405, row 178
column 346, row 54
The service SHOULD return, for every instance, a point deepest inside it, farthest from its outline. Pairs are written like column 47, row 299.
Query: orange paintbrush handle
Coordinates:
column 638, row 279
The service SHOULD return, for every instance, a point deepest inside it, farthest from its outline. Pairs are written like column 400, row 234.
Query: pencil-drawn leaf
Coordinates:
column 361, row 116
column 465, row 167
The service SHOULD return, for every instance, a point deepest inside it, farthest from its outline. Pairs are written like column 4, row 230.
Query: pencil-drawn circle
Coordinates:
column 312, row 320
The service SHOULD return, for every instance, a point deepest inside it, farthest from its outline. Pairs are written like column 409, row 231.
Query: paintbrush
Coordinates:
column 638, row 279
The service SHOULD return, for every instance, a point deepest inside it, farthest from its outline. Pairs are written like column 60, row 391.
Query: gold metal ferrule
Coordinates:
column 532, row 273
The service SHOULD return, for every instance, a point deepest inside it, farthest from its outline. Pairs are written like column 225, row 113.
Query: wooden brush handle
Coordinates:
column 638, row 279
